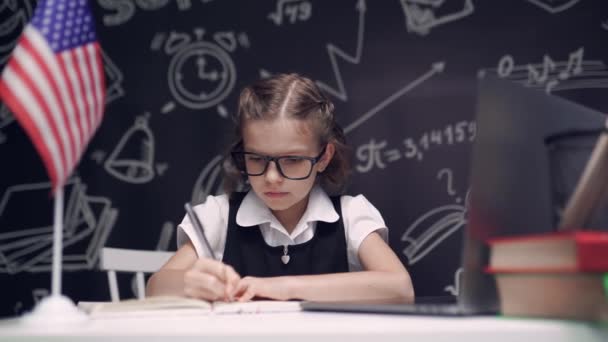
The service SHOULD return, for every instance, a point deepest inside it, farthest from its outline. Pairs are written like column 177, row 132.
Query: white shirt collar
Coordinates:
column 253, row 211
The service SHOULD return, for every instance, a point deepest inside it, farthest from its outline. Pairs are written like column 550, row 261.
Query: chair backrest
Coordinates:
column 115, row 260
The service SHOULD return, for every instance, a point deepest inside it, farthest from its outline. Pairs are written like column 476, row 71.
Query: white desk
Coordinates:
column 310, row 327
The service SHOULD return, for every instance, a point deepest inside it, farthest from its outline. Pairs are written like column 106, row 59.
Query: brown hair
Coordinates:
column 292, row 96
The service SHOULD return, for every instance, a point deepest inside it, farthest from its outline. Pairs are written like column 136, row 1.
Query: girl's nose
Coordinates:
column 272, row 174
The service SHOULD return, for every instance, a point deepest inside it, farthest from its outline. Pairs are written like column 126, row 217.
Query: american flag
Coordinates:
column 54, row 83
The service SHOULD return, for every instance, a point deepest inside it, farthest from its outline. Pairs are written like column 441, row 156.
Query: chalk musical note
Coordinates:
column 574, row 67
column 547, row 67
column 553, row 74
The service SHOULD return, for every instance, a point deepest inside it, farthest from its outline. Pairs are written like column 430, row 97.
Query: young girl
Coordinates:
column 285, row 238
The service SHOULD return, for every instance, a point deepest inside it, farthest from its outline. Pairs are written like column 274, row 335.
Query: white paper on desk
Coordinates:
column 256, row 306
column 178, row 306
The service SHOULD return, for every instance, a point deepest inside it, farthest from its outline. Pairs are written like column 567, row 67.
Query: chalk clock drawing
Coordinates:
column 436, row 225
column 26, row 242
column 554, row 6
column 423, row 15
column 201, row 73
column 15, row 15
column 291, row 11
column 214, row 70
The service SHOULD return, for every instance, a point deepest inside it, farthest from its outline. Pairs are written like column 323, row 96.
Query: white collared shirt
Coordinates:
column 360, row 218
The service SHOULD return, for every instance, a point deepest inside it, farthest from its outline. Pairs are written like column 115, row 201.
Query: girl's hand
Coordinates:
column 269, row 288
column 211, row 280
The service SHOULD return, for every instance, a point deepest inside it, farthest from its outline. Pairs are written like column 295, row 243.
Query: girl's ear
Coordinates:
column 330, row 149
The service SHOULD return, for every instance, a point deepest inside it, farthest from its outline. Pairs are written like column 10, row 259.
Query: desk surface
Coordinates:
column 311, row 327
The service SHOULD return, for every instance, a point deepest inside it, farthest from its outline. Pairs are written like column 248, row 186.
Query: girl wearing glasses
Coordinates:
column 290, row 235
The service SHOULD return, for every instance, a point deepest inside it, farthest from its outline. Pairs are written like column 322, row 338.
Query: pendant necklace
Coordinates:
column 285, row 256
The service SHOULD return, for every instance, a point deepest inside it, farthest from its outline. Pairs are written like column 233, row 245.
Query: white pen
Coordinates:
column 198, row 226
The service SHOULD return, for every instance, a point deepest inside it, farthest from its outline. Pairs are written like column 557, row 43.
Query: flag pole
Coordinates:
column 57, row 242
column 56, row 308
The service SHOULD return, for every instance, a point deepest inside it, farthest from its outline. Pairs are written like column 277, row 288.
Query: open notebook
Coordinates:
column 178, row 306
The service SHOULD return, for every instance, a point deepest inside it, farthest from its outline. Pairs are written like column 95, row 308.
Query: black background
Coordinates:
column 409, row 83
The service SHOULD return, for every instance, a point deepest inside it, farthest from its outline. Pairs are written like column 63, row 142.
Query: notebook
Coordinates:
column 180, row 306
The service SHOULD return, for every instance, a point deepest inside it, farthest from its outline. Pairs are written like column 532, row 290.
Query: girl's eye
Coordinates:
column 292, row 160
column 254, row 159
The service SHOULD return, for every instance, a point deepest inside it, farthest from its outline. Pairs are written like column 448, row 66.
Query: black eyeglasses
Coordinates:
column 290, row 167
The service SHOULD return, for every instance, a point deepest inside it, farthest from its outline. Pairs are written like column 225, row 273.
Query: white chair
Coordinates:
column 115, row 260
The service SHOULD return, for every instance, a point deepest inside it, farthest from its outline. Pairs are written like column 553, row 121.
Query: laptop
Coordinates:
column 529, row 153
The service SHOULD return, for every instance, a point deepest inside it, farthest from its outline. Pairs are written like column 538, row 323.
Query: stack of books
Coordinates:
column 555, row 275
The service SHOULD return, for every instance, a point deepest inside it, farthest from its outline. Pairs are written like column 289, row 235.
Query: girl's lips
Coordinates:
column 274, row 194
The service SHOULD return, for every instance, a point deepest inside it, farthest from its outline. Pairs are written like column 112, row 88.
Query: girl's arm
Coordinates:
column 384, row 280
column 187, row 275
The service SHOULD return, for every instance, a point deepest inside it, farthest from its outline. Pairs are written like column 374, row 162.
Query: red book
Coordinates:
column 576, row 251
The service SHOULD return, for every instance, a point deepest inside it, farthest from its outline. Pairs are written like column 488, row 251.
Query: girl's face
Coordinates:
column 283, row 137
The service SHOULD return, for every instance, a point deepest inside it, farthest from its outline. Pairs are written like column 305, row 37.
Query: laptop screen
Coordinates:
column 516, row 186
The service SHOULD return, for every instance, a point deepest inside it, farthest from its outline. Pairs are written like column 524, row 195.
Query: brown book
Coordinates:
column 579, row 251
column 577, row 296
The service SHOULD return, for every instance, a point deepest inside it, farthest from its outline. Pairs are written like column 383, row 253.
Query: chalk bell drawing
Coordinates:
column 132, row 159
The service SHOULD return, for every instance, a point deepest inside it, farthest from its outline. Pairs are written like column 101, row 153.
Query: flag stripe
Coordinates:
column 59, row 80
column 83, row 76
column 37, row 100
column 13, row 91
column 40, row 73
column 99, row 84
column 71, row 102
column 74, row 86
column 81, row 83
column 92, row 52
column 87, row 73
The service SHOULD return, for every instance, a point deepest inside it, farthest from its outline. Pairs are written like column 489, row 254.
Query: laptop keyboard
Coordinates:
column 429, row 309
column 435, row 309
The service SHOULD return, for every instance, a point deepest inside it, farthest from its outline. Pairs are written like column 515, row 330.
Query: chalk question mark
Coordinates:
column 450, row 186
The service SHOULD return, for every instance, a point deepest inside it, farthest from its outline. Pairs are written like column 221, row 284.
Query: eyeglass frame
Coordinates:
column 268, row 159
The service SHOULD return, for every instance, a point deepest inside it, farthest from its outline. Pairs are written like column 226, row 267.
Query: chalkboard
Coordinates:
column 402, row 75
